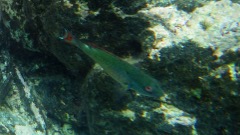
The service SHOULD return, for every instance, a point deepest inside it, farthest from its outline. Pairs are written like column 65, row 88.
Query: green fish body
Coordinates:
column 127, row 75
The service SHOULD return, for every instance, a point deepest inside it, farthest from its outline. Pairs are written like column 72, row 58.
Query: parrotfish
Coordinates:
column 126, row 74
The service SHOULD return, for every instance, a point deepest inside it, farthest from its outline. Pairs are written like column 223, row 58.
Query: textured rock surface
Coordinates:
column 207, row 26
column 191, row 47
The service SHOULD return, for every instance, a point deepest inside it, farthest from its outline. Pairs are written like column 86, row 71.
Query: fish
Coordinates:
column 129, row 76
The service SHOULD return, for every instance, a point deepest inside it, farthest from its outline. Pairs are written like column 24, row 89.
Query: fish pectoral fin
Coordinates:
column 132, row 86
column 128, row 87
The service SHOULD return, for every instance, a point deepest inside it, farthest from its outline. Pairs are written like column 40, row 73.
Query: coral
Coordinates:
column 129, row 114
column 175, row 116
column 6, row 6
column 190, row 46
column 217, row 28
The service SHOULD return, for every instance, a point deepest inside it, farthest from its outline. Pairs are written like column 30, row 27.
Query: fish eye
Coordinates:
column 148, row 88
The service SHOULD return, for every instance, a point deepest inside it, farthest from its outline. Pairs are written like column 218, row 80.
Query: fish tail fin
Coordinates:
column 68, row 37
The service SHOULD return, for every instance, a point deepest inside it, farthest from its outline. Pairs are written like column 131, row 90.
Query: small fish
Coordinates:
column 127, row 75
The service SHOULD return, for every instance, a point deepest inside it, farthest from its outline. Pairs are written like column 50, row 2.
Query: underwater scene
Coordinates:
column 119, row 67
